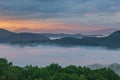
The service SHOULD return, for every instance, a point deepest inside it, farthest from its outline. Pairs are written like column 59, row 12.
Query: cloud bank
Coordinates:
column 84, row 12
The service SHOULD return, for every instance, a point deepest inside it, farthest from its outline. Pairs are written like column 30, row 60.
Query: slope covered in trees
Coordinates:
column 11, row 37
column 53, row 72
column 111, row 41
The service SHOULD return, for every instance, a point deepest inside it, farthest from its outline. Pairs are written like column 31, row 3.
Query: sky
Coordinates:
column 66, row 15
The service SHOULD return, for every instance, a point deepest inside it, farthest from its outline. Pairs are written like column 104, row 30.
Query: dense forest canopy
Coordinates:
column 53, row 72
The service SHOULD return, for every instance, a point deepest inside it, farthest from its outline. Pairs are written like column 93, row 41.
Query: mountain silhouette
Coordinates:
column 111, row 41
column 104, row 32
column 115, row 35
column 11, row 37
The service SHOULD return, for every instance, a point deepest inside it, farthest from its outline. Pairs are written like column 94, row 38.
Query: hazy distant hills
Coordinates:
column 114, row 66
column 10, row 37
column 102, row 32
column 56, row 31
column 63, row 35
column 111, row 41
column 54, row 35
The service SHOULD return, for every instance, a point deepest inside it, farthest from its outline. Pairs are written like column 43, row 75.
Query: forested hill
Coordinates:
column 111, row 41
column 11, row 37
column 53, row 72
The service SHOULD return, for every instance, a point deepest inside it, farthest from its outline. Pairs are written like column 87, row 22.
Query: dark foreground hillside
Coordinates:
column 53, row 72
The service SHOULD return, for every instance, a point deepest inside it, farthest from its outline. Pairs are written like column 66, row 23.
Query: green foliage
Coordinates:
column 53, row 72
column 82, row 77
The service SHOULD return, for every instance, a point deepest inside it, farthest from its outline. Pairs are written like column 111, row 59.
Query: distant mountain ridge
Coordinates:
column 54, row 35
column 114, row 66
column 9, row 37
column 55, row 31
column 102, row 32
column 111, row 41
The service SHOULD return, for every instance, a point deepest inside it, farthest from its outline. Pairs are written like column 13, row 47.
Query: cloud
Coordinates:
column 68, row 11
column 32, row 8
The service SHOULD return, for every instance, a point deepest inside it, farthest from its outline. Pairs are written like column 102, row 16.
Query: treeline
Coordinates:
column 53, row 72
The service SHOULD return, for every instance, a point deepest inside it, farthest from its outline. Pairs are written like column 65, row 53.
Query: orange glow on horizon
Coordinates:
column 12, row 25
column 43, row 25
